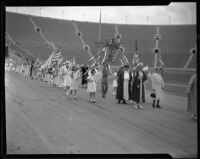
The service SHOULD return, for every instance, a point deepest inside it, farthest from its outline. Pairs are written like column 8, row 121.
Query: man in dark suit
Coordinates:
column 123, row 84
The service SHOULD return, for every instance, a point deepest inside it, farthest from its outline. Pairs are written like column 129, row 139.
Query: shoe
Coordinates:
column 140, row 107
column 130, row 101
column 124, row 102
column 153, row 105
column 75, row 97
column 135, row 106
column 119, row 101
column 91, row 101
column 94, row 101
column 158, row 106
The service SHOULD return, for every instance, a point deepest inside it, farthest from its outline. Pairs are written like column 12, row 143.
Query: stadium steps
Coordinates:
column 22, row 31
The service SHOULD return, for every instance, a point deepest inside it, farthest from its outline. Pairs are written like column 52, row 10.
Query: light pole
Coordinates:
column 40, row 11
column 169, row 19
column 192, row 19
column 83, row 16
column 147, row 19
column 62, row 14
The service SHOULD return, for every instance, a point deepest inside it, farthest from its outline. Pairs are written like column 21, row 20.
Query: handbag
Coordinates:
column 153, row 95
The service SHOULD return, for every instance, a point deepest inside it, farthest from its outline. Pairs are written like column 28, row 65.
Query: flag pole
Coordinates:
column 100, row 26
column 156, row 51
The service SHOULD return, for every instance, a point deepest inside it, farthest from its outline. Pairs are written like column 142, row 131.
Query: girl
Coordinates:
column 91, row 85
column 115, row 82
column 75, row 74
column 67, row 77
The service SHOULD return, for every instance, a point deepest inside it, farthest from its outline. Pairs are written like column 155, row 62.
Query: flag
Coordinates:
column 161, row 63
column 136, row 55
column 121, row 61
column 136, row 59
column 125, row 59
column 56, row 56
column 48, row 62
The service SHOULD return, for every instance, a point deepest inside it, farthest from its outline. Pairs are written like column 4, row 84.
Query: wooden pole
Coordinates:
column 156, row 47
column 190, row 58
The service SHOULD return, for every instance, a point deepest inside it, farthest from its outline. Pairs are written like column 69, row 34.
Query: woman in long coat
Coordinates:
column 123, row 85
column 140, row 76
column 84, row 76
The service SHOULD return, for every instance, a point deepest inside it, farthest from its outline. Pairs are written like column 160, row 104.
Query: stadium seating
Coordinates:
column 176, row 40
column 175, row 43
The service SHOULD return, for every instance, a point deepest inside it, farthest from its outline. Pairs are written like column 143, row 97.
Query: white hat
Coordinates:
column 140, row 64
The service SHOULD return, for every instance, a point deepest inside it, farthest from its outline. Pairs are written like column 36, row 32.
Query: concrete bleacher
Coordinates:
column 175, row 44
column 91, row 33
column 64, row 36
column 21, row 30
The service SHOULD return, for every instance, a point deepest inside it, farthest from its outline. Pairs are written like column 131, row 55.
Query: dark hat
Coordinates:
column 126, row 65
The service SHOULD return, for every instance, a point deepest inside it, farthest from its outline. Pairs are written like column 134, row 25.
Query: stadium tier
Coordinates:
column 22, row 32
column 175, row 43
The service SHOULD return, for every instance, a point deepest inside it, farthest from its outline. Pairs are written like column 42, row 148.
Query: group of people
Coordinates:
column 128, row 82
column 128, row 85
column 23, row 69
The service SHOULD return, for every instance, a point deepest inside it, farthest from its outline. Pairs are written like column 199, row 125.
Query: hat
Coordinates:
column 126, row 65
column 158, row 68
column 140, row 64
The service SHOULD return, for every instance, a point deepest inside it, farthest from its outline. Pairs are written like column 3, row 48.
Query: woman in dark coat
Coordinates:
column 84, row 76
column 140, row 76
column 121, row 91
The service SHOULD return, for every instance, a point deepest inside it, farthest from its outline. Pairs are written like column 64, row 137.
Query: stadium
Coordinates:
column 93, row 128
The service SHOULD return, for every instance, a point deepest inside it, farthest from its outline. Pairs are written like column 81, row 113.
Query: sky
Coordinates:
column 174, row 13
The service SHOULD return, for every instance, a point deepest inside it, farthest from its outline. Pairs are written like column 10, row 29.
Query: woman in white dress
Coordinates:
column 67, row 77
column 114, row 85
column 91, row 85
column 75, row 75
column 61, row 72
column 59, row 82
column 157, row 86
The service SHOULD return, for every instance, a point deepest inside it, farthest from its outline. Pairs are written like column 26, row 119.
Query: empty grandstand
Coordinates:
column 175, row 43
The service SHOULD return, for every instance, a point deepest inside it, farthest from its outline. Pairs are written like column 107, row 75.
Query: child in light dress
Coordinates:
column 114, row 83
column 75, row 75
column 91, row 85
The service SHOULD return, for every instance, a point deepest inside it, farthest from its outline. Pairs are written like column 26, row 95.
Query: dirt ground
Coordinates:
column 40, row 119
